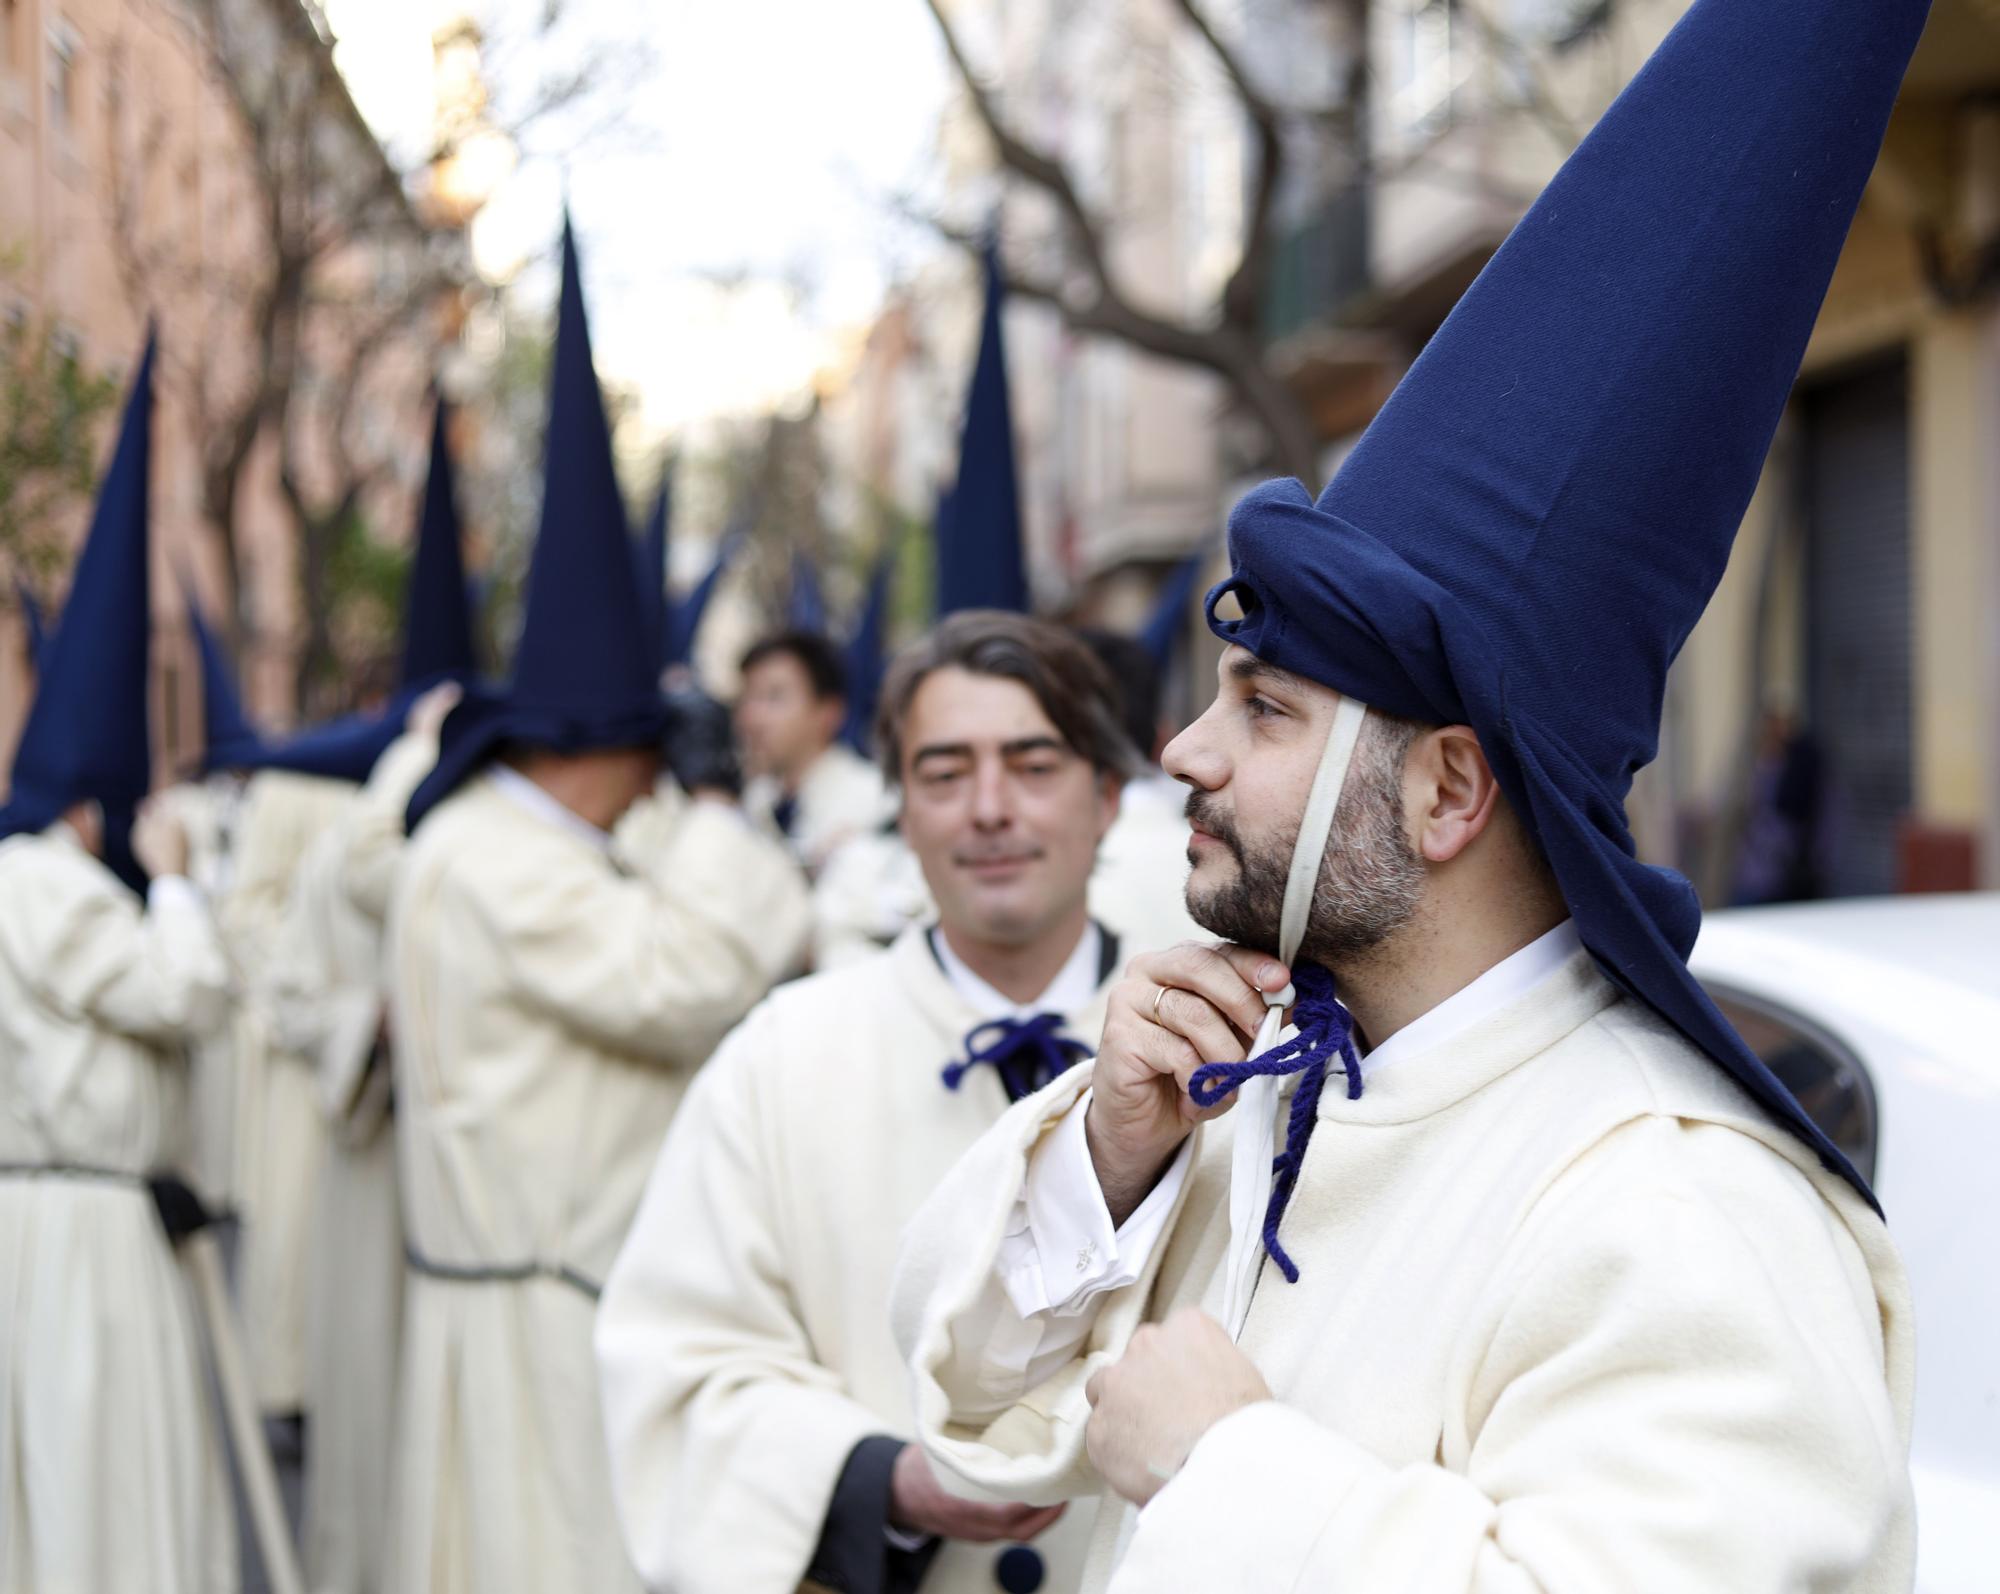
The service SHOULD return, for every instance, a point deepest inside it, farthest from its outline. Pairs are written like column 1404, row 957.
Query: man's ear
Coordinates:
column 1453, row 792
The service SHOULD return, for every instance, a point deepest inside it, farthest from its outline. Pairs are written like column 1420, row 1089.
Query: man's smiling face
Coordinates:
column 1002, row 813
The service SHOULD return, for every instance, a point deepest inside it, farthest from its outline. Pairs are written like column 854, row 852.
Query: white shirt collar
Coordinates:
column 1508, row 980
column 524, row 794
column 1069, row 993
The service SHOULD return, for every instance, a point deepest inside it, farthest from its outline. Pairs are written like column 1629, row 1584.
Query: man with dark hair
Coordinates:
column 754, row 1404
column 805, row 785
column 1540, row 1280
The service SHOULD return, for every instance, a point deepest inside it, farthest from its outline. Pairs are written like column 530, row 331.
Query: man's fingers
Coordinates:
column 1227, row 976
column 1194, row 1018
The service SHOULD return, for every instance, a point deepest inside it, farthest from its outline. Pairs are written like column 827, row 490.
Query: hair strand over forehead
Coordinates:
column 1064, row 676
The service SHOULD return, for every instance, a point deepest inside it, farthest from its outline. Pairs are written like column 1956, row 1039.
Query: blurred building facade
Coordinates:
column 201, row 163
column 1842, row 696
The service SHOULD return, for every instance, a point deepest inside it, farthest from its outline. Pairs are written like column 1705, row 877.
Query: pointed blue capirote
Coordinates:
column 88, row 736
column 650, row 564
column 1531, row 527
column 980, row 560
column 31, row 617
column 1168, row 622
column 684, row 618
column 806, row 608
column 437, row 616
column 229, row 740
column 864, row 655
column 584, row 670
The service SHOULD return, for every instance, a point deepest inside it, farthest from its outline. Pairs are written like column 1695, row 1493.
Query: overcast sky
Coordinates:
column 736, row 224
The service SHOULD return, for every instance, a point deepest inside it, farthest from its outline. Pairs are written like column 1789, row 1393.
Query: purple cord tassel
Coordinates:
column 1325, row 1031
column 1025, row 1052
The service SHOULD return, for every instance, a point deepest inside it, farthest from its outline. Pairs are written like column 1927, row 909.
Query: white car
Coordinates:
column 1883, row 1016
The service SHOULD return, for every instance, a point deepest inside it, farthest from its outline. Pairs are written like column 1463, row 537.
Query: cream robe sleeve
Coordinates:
column 947, row 1305
column 374, row 826
column 1674, row 1385
column 78, row 937
column 726, row 1435
column 663, row 962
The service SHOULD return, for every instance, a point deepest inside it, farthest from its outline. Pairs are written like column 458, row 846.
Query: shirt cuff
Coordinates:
column 1067, row 1252
column 173, row 893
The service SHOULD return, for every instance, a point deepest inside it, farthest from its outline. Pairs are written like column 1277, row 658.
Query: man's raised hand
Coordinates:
column 1172, row 1012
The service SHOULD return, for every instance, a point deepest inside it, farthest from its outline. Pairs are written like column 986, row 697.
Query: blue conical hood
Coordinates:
column 1529, row 530
column 229, row 741
column 864, row 657
column 805, row 609
column 1167, row 624
column 650, row 564
column 437, row 615
column 584, row 672
column 684, row 618
column 88, row 735
column 31, row 617
column 980, row 564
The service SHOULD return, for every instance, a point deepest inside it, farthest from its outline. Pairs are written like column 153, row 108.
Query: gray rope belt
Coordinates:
column 80, row 1171
column 499, row 1273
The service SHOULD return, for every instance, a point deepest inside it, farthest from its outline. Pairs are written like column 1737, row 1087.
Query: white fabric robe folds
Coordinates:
column 328, row 991
column 110, row 1465
column 744, row 1334
column 1572, row 1316
column 549, row 1007
column 280, row 1135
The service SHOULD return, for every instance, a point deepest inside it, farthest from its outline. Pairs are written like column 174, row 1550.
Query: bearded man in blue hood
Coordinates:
column 1511, row 1268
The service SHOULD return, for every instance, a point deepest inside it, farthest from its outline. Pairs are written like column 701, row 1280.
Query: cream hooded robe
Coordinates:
column 1571, row 1316
column 280, row 1137
column 328, row 989
column 110, row 1466
column 550, row 1003
column 743, row 1339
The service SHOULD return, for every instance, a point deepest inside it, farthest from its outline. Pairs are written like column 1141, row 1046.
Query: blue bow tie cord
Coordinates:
column 1325, row 1031
column 1025, row 1052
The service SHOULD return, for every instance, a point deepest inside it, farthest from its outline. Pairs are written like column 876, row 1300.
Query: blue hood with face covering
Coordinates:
column 1526, row 534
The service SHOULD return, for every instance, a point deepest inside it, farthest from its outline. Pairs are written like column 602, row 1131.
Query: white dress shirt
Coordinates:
column 524, row 793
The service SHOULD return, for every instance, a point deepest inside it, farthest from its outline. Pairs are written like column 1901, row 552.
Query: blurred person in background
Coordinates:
column 805, row 784
column 755, row 1408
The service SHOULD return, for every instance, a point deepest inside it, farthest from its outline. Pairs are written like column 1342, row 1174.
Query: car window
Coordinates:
column 1829, row 1081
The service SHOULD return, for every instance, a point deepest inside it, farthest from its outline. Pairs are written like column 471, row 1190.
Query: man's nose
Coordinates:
column 1190, row 759
column 992, row 797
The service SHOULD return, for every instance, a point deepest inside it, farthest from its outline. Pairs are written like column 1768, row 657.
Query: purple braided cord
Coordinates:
column 1325, row 1031
column 1025, row 1053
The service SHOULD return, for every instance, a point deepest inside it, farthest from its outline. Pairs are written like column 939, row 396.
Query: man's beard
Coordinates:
column 1370, row 879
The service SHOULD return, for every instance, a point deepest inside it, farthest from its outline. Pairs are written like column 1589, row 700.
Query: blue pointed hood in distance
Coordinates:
column 89, row 733
column 229, row 740
column 585, row 675
column 980, row 558
column 437, row 611
column 1528, row 531
column 37, row 626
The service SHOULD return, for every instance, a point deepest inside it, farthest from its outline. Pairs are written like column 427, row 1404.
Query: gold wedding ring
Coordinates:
column 1158, row 1000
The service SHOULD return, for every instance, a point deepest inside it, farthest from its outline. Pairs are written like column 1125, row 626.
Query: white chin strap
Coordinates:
column 1256, row 1114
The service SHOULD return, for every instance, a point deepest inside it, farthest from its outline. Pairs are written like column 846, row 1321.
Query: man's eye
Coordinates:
column 1259, row 707
column 938, row 779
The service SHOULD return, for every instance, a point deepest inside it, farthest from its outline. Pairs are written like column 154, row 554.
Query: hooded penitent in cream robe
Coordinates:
column 110, row 1467
column 550, row 1003
column 329, row 995
column 280, row 1135
column 1557, row 1287
column 743, row 1338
